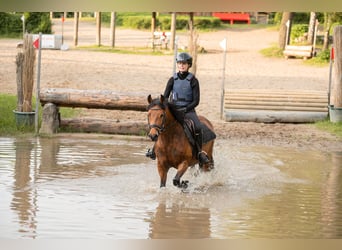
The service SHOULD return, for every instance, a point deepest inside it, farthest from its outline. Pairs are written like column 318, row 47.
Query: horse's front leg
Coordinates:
column 180, row 172
column 162, row 174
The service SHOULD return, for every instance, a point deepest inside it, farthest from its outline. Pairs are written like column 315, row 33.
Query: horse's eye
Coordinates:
column 161, row 115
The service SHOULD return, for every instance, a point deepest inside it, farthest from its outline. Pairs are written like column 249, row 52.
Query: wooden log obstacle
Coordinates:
column 298, row 51
column 52, row 99
column 271, row 106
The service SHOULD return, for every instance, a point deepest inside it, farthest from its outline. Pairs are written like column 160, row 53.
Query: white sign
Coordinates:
column 49, row 41
column 223, row 44
column 288, row 23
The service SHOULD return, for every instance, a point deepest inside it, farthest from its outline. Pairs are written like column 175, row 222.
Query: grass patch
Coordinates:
column 273, row 51
column 8, row 126
column 317, row 62
column 333, row 128
column 322, row 59
column 127, row 50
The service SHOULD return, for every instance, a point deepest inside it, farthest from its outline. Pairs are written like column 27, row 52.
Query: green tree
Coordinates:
column 38, row 22
column 329, row 19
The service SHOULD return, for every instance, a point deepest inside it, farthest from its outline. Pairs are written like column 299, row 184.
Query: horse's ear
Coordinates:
column 162, row 98
column 149, row 99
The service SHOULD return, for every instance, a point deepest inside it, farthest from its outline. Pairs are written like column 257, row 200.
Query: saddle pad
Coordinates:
column 189, row 128
column 208, row 134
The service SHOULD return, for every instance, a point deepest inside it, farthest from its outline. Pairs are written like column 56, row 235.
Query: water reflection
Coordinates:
column 332, row 198
column 105, row 188
column 307, row 206
column 24, row 196
column 178, row 220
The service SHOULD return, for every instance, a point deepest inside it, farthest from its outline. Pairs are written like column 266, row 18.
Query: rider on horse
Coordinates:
column 183, row 93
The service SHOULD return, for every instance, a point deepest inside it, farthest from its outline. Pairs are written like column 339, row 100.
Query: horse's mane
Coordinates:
column 157, row 102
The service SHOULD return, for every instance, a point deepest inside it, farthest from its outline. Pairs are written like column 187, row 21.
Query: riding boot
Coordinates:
column 150, row 153
column 201, row 155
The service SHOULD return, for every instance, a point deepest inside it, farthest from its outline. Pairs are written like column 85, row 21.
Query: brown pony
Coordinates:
column 172, row 146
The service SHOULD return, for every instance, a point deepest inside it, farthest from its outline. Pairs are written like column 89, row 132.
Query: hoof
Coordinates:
column 184, row 184
column 176, row 182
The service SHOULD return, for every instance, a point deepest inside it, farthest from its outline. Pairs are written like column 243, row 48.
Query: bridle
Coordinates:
column 159, row 128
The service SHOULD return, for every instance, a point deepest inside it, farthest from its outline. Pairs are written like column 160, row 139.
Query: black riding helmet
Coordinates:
column 184, row 57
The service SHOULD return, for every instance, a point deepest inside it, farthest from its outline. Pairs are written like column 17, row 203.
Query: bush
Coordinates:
column 301, row 17
column 10, row 24
column 35, row 22
column 137, row 22
column 321, row 59
column 298, row 30
column 38, row 22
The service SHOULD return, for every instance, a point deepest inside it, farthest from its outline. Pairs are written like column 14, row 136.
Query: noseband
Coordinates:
column 160, row 128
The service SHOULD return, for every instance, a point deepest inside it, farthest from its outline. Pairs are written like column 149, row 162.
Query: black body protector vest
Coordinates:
column 182, row 91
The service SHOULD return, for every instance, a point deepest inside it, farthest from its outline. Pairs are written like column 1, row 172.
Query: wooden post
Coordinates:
column 193, row 38
column 19, row 75
column 153, row 27
column 112, row 28
column 98, row 28
column 336, row 91
column 76, row 21
column 173, row 30
column 28, row 73
column 50, row 119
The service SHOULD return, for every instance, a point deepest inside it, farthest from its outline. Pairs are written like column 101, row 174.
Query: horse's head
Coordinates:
column 156, row 116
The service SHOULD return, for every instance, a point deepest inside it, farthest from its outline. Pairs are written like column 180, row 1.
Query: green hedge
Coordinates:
column 10, row 24
column 143, row 21
column 35, row 22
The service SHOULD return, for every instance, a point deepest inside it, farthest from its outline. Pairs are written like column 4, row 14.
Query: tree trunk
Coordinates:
column 336, row 91
column 311, row 31
column 100, row 99
column 88, row 125
column 284, row 35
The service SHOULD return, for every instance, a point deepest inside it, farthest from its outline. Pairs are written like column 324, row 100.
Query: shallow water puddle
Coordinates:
column 106, row 188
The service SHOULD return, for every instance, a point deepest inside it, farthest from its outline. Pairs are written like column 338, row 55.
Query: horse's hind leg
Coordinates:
column 208, row 166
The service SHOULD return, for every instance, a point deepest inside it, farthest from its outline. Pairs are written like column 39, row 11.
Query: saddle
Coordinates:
column 189, row 129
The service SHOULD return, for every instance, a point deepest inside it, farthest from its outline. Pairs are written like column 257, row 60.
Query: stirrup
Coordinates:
column 203, row 157
column 150, row 153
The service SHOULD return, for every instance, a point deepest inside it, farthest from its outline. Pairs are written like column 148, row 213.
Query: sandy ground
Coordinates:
column 246, row 68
